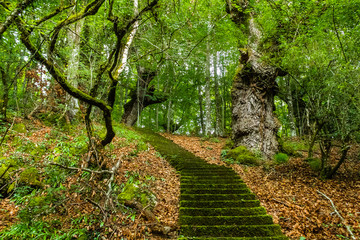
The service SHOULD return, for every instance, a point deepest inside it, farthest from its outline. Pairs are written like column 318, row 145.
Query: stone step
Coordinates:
column 213, row 185
column 220, row 204
column 210, row 205
column 230, row 231
column 213, row 181
column 207, row 166
column 226, row 220
column 211, row 174
column 250, row 209
column 234, row 238
column 214, row 190
column 227, row 176
column 208, row 170
column 216, row 197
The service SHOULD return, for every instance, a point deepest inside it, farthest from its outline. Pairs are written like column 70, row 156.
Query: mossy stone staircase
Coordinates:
column 215, row 203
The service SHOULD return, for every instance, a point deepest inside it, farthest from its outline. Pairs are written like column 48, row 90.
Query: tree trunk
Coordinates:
column 253, row 122
column 201, row 111
column 73, row 68
column 218, row 102
column 140, row 97
column 290, row 109
column 207, row 92
column 5, row 96
column 254, row 87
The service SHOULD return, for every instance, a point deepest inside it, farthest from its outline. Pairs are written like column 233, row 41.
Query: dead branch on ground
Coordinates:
column 337, row 213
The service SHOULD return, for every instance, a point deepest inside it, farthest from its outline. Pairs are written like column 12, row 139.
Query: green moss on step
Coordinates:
column 226, row 220
column 235, row 238
column 214, row 191
column 217, row 197
column 219, row 204
column 212, row 185
column 247, row 210
column 231, row 231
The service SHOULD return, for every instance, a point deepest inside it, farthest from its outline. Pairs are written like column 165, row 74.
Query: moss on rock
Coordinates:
column 20, row 128
column 31, row 177
column 132, row 191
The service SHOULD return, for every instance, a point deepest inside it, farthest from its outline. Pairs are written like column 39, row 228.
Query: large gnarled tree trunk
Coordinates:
column 253, row 122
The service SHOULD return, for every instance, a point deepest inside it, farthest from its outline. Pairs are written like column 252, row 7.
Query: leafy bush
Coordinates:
column 280, row 158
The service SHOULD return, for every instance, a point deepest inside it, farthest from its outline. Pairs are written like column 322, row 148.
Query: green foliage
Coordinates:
column 281, row 158
column 42, row 230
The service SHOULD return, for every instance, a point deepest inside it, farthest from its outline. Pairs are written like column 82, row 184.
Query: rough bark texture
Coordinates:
column 253, row 122
column 140, row 97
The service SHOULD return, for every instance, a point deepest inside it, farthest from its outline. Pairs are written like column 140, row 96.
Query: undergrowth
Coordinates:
column 65, row 203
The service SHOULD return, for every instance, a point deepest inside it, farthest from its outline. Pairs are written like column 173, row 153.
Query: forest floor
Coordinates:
column 288, row 191
column 75, row 216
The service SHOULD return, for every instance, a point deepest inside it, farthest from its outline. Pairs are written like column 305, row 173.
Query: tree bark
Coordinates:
column 5, row 95
column 207, row 91
column 201, row 114
column 253, row 122
column 74, row 61
column 290, row 104
column 218, row 100
column 141, row 97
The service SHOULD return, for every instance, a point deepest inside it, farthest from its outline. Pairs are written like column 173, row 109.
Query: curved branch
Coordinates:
column 90, row 9
column 15, row 13
column 61, row 79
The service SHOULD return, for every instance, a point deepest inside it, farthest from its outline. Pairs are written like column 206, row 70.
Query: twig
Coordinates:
column 337, row 213
column 97, row 205
column 113, row 171
column 81, row 169
column 280, row 202
column 337, row 35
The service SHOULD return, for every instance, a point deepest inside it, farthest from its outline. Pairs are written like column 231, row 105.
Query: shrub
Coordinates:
column 281, row 158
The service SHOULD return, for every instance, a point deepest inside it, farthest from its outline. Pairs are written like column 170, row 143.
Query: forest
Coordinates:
column 109, row 109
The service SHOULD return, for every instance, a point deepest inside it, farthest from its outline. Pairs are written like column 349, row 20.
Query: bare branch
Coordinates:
column 337, row 213
column 82, row 169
